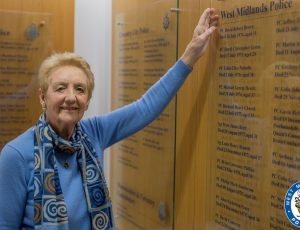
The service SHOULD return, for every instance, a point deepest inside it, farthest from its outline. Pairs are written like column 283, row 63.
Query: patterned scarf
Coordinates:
column 50, row 210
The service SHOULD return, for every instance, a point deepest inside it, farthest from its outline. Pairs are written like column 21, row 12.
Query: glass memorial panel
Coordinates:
column 142, row 169
column 255, row 109
column 25, row 40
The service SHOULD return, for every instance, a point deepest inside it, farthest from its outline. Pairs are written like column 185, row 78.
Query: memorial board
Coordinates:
column 255, row 116
column 25, row 40
column 143, row 165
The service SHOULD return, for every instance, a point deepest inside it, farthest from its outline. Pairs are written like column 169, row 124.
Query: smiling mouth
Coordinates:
column 69, row 108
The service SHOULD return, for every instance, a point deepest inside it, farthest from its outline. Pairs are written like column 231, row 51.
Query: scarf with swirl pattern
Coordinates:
column 50, row 210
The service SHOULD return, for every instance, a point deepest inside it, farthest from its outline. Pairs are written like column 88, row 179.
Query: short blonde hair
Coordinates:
column 63, row 59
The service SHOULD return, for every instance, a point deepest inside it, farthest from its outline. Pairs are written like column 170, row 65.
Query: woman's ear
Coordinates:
column 42, row 99
column 87, row 105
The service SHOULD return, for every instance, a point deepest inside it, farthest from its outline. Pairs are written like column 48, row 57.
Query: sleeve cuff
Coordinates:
column 184, row 67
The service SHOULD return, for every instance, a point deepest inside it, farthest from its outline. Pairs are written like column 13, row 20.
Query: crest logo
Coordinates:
column 292, row 204
column 166, row 22
column 32, row 32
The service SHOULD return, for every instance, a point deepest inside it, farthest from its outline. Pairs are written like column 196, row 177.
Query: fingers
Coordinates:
column 214, row 20
column 207, row 23
column 204, row 18
column 207, row 16
column 207, row 33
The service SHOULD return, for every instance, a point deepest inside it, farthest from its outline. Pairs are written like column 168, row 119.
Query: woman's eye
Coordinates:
column 81, row 89
column 60, row 89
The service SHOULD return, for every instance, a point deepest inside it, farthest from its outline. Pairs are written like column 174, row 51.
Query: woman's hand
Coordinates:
column 207, row 24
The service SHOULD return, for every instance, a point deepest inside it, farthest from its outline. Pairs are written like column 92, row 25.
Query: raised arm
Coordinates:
column 129, row 119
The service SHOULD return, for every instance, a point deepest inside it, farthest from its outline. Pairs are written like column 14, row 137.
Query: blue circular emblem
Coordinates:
column 32, row 32
column 292, row 204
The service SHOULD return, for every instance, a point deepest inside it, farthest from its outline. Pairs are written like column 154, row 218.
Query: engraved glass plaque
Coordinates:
column 255, row 98
column 142, row 175
column 25, row 40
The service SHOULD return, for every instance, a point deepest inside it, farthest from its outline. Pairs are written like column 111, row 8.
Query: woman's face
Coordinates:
column 66, row 99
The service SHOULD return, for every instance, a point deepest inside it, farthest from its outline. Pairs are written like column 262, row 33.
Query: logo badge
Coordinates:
column 166, row 22
column 32, row 32
column 292, row 204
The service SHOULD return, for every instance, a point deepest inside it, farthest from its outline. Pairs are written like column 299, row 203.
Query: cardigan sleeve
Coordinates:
column 13, row 188
column 129, row 119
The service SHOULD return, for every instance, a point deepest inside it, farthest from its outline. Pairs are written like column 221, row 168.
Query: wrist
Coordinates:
column 187, row 62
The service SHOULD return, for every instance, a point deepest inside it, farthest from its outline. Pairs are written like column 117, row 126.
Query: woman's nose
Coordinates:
column 70, row 95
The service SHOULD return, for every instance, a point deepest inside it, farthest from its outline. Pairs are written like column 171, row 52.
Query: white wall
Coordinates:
column 93, row 42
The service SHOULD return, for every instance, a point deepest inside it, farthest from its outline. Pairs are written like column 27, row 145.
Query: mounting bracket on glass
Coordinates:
column 174, row 9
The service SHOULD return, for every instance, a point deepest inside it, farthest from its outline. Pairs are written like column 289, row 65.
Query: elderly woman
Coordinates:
column 51, row 176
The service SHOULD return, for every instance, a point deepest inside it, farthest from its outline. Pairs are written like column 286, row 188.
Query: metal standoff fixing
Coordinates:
column 174, row 9
column 42, row 23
